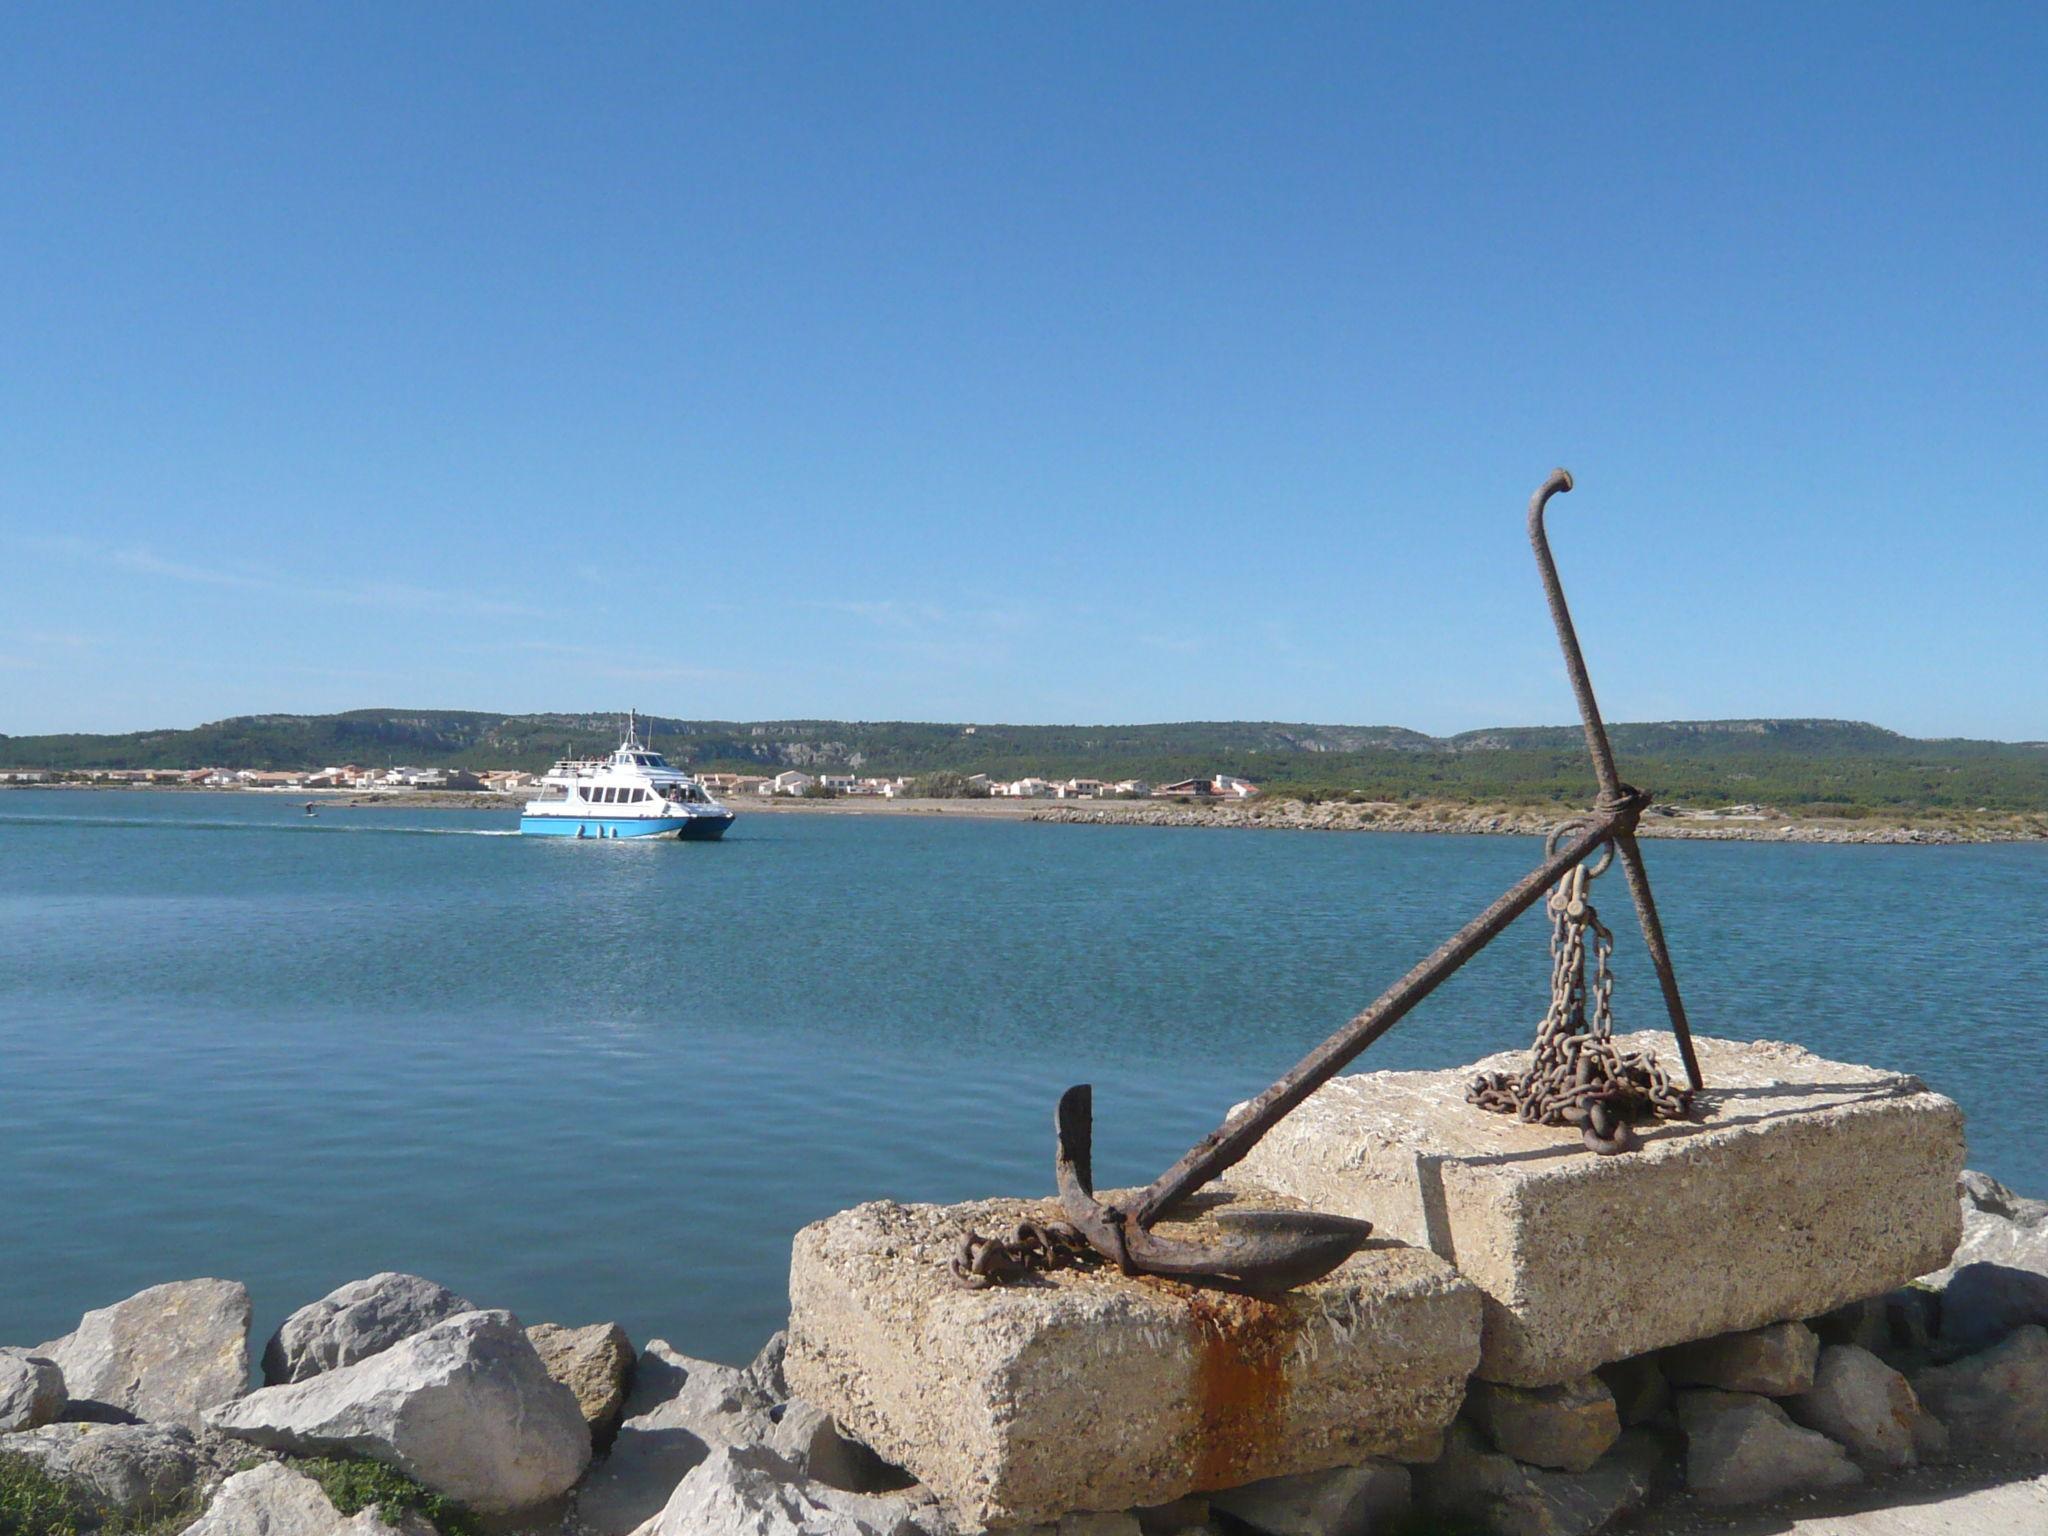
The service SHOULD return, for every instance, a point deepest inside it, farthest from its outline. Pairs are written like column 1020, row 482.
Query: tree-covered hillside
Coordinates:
column 1812, row 765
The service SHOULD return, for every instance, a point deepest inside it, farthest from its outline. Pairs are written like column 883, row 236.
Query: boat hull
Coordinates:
column 694, row 829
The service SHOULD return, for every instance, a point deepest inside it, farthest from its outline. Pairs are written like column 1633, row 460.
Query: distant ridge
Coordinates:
column 1812, row 764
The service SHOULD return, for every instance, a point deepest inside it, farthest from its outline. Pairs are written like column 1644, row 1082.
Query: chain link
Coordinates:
column 1577, row 1075
column 1033, row 1247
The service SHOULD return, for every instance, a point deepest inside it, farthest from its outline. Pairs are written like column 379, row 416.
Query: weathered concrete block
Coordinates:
column 1805, row 1184
column 1092, row 1390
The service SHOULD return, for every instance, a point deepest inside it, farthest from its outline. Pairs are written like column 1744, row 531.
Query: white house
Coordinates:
column 790, row 783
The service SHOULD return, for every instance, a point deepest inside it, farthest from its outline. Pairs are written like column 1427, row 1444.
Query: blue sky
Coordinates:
column 1023, row 363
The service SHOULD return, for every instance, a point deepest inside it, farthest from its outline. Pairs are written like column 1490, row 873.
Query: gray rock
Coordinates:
column 354, row 1322
column 763, row 1379
column 808, row 1439
column 1860, row 1402
column 1344, row 1501
column 1996, row 1402
column 135, row 1471
column 1187, row 1513
column 1897, row 1327
column 1983, row 1303
column 596, row 1363
column 1566, row 1427
column 1098, row 1523
column 1998, row 1228
column 165, row 1354
column 1640, row 1389
column 31, row 1391
column 1473, row 1487
column 1744, row 1449
column 274, row 1500
column 678, row 1410
column 465, row 1407
column 1777, row 1361
column 750, row 1491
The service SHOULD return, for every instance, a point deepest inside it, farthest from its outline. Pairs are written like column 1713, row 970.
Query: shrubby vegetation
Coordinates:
column 1811, row 766
column 352, row 1485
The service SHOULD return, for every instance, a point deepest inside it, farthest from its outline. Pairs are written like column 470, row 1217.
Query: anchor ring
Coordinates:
column 1557, row 835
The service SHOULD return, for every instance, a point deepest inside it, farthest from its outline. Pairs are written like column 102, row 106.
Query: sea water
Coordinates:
column 608, row 1081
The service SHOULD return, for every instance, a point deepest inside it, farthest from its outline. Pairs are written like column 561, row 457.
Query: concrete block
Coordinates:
column 1804, row 1184
column 1090, row 1390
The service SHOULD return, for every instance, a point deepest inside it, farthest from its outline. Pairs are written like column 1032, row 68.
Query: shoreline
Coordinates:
column 1761, row 825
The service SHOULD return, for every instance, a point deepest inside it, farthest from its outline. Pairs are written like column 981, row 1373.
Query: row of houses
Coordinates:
column 507, row 781
column 1220, row 786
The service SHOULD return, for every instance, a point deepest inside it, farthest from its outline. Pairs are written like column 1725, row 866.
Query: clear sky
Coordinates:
column 1023, row 363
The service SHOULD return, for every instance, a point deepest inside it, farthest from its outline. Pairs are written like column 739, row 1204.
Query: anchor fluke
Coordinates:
column 1257, row 1251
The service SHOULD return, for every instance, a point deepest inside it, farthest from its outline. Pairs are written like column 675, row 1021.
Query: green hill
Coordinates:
column 1816, row 766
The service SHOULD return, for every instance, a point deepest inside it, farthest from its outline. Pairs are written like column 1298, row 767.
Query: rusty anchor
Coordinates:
column 1264, row 1252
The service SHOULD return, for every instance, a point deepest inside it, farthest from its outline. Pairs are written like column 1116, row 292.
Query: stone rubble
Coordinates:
column 1983, row 1303
column 678, row 1410
column 1566, row 1427
column 135, row 1471
column 165, row 1354
column 1996, row 1402
column 1864, row 1405
column 465, row 1407
column 1474, row 1486
column 468, row 1406
column 595, row 1363
column 31, row 1391
column 1999, row 1227
column 1777, row 1361
column 274, row 1500
column 750, row 1491
column 1641, row 1390
column 1744, row 1449
column 354, row 1322
column 1369, row 1497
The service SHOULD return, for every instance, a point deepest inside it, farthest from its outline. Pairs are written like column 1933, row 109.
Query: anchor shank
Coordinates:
column 1229, row 1144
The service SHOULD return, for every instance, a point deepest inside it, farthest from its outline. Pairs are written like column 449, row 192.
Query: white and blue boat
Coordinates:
column 632, row 793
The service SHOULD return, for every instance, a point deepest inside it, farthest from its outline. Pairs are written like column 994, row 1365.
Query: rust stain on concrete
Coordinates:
column 1240, row 1385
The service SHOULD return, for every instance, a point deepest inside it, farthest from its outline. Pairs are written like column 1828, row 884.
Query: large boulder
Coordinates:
column 138, row 1472
column 465, row 1407
column 1996, row 1402
column 274, row 1500
column 750, row 1491
column 167, row 1353
column 596, row 1363
column 1985, row 1302
column 1862, row 1403
column 354, row 1322
column 1343, row 1501
column 1566, row 1427
column 1741, row 1448
column 31, row 1391
column 1777, row 1361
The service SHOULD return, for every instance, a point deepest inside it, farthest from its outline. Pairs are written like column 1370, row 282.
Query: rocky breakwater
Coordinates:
column 1389, row 816
column 394, row 1407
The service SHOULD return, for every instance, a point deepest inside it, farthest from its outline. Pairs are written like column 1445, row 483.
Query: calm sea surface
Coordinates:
column 609, row 1081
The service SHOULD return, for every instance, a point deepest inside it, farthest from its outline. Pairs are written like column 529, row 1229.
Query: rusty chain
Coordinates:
column 1033, row 1247
column 1577, row 1075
